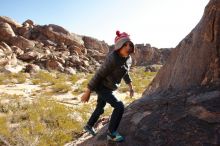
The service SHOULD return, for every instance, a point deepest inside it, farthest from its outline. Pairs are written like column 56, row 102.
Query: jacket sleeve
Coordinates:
column 127, row 78
column 104, row 70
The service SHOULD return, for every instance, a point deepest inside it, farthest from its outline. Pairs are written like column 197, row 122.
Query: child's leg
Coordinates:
column 117, row 112
column 107, row 96
column 97, row 112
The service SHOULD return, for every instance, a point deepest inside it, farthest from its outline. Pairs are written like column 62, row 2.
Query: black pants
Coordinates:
column 105, row 96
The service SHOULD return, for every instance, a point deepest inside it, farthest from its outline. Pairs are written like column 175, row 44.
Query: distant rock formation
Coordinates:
column 49, row 47
column 146, row 55
column 181, row 107
column 52, row 47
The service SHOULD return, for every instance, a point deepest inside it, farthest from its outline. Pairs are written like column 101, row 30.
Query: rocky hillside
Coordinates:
column 148, row 55
column 181, row 105
column 31, row 46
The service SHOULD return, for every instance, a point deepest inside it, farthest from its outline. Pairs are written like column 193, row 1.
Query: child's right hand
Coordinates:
column 85, row 97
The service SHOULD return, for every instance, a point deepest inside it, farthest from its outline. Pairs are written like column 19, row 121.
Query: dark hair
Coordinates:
column 131, row 46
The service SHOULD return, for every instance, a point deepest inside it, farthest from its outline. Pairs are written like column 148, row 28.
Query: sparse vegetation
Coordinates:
column 61, row 87
column 140, row 80
column 12, row 78
column 44, row 121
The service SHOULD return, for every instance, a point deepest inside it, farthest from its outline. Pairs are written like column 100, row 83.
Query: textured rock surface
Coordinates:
column 94, row 44
column 147, row 55
column 181, row 106
column 6, row 31
column 49, row 47
column 195, row 61
column 37, row 44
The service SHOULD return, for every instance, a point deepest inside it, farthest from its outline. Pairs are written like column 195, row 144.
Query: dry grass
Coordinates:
column 12, row 78
column 140, row 80
column 44, row 121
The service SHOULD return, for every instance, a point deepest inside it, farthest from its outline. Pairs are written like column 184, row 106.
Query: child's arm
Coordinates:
column 128, row 81
column 127, row 78
column 103, row 71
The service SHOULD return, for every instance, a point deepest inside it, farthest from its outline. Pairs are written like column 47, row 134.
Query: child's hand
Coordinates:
column 85, row 97
column 131, row 93
column 131, row 89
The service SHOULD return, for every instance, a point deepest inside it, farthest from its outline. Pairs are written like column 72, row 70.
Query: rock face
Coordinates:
column 181, row 105
column 6, row 31
column 147, row 55
column 37, row 44
column 94, row 44
column 10, row 21
column 195, row 61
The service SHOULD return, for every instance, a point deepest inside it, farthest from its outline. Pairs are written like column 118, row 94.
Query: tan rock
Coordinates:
column 30, row 22
column 10, row 21
column 6, row 32
column 21, row 42
column 94, row 44
column 17, row 50
column 54, row 65
column 28, row 56
column 5, row 47
column 32, row 68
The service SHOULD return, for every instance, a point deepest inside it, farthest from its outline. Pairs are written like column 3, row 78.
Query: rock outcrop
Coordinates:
column 181, row 105
column 146, row 55
column 49, row 47
column 37, row 44
column 6, row 31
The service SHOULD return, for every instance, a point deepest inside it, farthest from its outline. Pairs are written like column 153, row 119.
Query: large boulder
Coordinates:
column 28, row 22
column 29, row 56
column 11, row 22
column 181, row 105
column 21, row 42
column 94, row 44
column 6, row 32
column 148, row 55
column 54, row 65
column 56, row 34
column 195, row 61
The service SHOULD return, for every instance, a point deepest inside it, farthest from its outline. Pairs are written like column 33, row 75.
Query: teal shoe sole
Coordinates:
column 115, row 140
column 89, row 131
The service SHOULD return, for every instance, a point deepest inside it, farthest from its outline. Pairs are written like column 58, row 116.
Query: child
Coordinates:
column 107, row 79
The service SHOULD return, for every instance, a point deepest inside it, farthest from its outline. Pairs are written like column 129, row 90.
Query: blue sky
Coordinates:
column 162, row 23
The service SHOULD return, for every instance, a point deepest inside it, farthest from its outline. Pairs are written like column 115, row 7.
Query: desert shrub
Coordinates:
column 12, row 78
column 61, row 87
column 43, row 77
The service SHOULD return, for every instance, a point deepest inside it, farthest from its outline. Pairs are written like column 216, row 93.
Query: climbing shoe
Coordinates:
column 114, row 136
column 90, row 130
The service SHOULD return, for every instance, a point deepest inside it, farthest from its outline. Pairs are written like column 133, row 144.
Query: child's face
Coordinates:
column 127, row 49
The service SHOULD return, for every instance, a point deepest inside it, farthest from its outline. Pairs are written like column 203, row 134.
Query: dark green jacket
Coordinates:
column 111, row 72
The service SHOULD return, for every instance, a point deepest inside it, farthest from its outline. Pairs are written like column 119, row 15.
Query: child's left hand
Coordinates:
column 131, row 93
